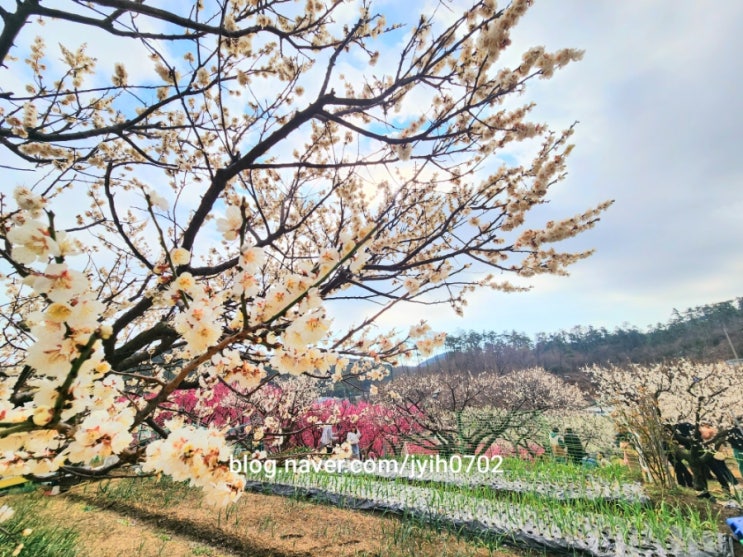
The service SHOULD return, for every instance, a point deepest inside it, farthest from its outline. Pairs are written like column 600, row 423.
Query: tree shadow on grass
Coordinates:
column 189, row 529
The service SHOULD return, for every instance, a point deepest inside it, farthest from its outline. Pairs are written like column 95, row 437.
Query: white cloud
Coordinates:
column 658, row 100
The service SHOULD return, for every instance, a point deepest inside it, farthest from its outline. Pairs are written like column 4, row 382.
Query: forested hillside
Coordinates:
column 698, row 333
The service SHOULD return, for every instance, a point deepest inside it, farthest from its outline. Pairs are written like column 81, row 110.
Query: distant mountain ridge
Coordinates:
column 710, row 332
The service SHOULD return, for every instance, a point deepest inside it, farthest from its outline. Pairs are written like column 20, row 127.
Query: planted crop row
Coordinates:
column 532, row 521
column 586, row 487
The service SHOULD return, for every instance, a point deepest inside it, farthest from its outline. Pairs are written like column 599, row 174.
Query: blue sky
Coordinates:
column 659, row 99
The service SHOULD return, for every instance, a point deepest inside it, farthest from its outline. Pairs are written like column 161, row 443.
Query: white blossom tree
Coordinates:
column 465, row 413
column 665, row 407
column 189, row 216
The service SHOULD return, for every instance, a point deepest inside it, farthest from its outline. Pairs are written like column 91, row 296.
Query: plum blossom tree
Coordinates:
column 466, row 413
column 666, row 405
column 199, row 185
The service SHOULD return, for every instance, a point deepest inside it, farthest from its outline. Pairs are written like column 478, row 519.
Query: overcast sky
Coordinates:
column 658, row 96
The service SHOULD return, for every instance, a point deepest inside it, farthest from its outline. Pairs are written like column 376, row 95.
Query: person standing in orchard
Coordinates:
column 327, row 439
column 557, row 444
column 736, row 442
column 353, row 438
column 574, row 446
column 715, row 459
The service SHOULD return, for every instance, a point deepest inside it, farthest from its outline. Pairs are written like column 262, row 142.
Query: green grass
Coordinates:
column 159, row 493
column 45, row 540
column 549, row 469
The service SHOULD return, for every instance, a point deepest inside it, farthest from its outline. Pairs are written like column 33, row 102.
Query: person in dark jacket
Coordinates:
column 683, row 476
column 674, row 453
column 574, row 446
column 736, row 441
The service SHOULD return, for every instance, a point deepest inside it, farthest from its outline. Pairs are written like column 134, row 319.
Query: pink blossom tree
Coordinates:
column 380, row 428
column 272, row 416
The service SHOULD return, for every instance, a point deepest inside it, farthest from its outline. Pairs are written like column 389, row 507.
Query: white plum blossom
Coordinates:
column 359, row 260
column 419, row 330
column 226, row 360
column 403, row 151
column 246, row 375
column 342, row 451
column 246, row 284
column 251, row 258
column 52, row 353
column 411, row 285
column 32, row 242
column 29, row 201
column 59, row 283
column 86, row 312
column 180, row 256
column 290, row 361
column 156, row 200
column 307, row 329
column 199, row 327
column 200, row 456
column 99, row 436
column 230, row 225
